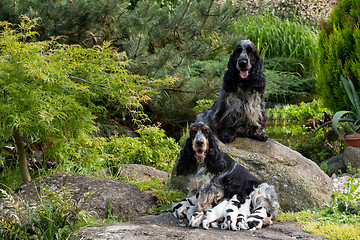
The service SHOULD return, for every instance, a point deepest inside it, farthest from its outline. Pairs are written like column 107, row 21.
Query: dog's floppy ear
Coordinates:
column 186, row 162
column 258, row 77
column 214, row 160
column 231, row 75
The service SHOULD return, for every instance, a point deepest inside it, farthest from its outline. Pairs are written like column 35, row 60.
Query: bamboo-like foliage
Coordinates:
column 49, row 91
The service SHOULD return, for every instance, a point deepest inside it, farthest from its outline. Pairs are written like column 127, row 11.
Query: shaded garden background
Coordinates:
column 189, row 41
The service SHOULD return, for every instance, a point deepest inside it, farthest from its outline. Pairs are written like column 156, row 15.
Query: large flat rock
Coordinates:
column 166, row 226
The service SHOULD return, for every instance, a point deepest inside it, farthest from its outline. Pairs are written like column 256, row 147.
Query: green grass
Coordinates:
column 278, row 38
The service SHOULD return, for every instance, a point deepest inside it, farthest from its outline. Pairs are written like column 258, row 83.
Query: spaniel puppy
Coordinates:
column 215, row 176
column 239, row 111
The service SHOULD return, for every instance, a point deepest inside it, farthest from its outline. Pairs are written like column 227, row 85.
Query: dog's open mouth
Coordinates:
column 244, row 73
column 200, row 153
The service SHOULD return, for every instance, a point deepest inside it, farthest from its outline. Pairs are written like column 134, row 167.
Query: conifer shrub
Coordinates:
column 338, row 54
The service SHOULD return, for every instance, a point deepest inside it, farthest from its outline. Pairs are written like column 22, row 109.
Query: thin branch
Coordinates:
column 187, row 91
column 98, row 84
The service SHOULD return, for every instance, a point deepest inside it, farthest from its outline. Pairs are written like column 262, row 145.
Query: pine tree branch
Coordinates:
column 183, row 15
column 141, row 35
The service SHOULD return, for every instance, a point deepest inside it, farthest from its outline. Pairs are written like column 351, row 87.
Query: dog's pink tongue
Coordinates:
column 200, row 154
column 244, row 74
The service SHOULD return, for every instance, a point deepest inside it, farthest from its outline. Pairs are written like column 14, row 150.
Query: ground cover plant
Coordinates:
column 57, row 216
column 338, row 219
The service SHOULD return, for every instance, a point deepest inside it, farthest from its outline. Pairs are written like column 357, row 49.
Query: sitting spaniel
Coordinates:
column 239, row 111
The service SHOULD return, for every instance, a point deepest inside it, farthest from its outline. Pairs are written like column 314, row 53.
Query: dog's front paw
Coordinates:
column 261, row 136
column 227, row 136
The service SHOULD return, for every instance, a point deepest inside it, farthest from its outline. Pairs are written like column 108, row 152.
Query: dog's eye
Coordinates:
column 249, row 49
column 205, row 131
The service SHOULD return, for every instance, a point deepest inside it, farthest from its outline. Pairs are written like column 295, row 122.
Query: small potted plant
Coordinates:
column 350, row 130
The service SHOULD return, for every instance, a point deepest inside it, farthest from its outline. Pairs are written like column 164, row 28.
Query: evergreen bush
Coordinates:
column 338, row 54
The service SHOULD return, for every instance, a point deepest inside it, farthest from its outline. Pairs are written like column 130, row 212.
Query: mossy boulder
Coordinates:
column 127, row 201
column 299, row 182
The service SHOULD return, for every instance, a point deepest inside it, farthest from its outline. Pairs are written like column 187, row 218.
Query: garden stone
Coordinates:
column 127, row 200
column 299, row 182
column 335, row 164
column 352, row 156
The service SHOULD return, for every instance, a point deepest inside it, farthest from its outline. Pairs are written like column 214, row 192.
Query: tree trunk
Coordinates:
column 24, row 170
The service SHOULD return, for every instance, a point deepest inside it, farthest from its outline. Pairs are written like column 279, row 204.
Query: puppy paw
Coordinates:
column 254, row 224
column 179, row 210
column 196, row 219
column 241, row 224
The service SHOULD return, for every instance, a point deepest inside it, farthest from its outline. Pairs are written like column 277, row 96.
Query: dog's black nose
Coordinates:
column 243, row 61
column 199, row 142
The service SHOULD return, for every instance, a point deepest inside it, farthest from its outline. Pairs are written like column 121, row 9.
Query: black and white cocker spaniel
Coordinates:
column 223, row 193
column 239, row 111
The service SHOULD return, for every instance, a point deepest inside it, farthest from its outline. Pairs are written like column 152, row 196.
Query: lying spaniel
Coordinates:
column 223, row 193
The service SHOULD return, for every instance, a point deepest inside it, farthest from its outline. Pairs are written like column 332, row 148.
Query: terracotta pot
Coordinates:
column 352, row 140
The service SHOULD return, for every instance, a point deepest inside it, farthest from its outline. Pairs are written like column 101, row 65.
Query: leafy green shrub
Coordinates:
column 338, row 54
column 317, row 148
column 293, row 125
column 49, row 90
column 203, row 104
column 298, row 112
column 152, row 148
column 279, row 38
column 56, row 217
